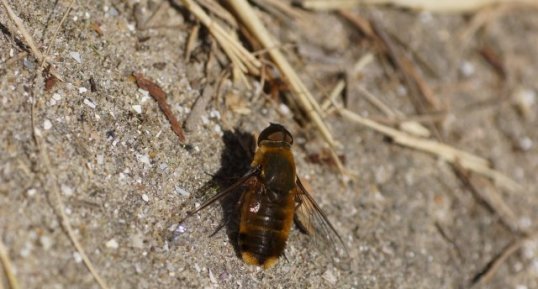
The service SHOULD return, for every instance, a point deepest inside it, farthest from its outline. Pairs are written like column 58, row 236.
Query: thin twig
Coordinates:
column 439, row 6
column 8, row 267
column 54, row 189
column 493, row 266
column 25, row 34
column 446, row 152
column 53, row 39
column 240, row 57
column 29, row 39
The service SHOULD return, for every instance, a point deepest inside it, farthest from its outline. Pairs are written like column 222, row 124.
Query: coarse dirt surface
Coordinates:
column 125, row 179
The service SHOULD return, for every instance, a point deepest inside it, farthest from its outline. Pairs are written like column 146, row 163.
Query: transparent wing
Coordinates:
column 313, row 221
column 182, row 226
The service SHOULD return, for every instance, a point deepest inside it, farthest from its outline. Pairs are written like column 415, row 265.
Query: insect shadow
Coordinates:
column 239, row 148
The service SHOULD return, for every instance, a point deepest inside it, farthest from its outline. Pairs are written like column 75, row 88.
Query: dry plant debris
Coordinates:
column 241, row 58
column 439, row 6
column 250, row 19
column 44, row 156
column 160, row 96
column 446, row 152
column 8, row 267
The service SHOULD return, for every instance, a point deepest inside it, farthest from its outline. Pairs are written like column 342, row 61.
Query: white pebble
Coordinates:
column 218, row 129
column 329, row 277
column 82, row 89
column 212, row 278
column 46, row 242
column 145, row 198
column 47, row 124
column 284, row 109
column 143, row 159
column 205, row 120
column 76, row 56
column 143, row 92
column 214, row 114
column 31, row 192
column 112, row 244
column 525, row 143
column 89, row 103
column 57, row 97
column 66, row 190
column 77, row 257
column 26, row 249
column 137, row 241
column 182, row 191
column 467, row 68
column 527, row 96
column 137, row 108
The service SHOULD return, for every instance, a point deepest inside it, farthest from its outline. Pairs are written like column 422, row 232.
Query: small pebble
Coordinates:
column 284, row 109
column 76, row 56
column 29, row 64
column 77, row 257
column 89, row 103
column 82, row 90
column 143, row 159
column 66, row 190
column 182, row 192
column 112, row 243
column 46, row 242
column 47, row 124
column 329, row 277
column 31, row 192
column 467, row 69
column 218, row 129
column 214, row 114
column 525, row 143
column 137, row 108
column 145, row 198
column 212, row 278
column 137, row 241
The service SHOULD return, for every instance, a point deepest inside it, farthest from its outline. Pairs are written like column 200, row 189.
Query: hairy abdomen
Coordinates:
column 264, row 227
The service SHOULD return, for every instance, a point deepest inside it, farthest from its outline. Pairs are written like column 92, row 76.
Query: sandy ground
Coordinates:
column 125, row 179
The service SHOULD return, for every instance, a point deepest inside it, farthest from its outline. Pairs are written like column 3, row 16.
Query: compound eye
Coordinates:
column 277, row 133
column 277, row 136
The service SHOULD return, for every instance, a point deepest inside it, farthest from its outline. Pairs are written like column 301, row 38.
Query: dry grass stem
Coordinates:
column 362, row 63
column 193, row 36
column 29, row 39
column 55, row 190
column 324, row 5
column 438, row 6
column 24, row 32
column 493, row 266
column 466, row 160
column 337, row 91
column 219, row 11
column 304, row 97
column 487, row 193
column 286, row 8
column 8, row 268
column 55, row 35
column 410, row 126
column 240, row 57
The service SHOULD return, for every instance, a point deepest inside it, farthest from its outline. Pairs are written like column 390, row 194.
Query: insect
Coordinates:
column 272, row 197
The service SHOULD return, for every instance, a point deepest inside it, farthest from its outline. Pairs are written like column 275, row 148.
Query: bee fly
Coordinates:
column 272, row 198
